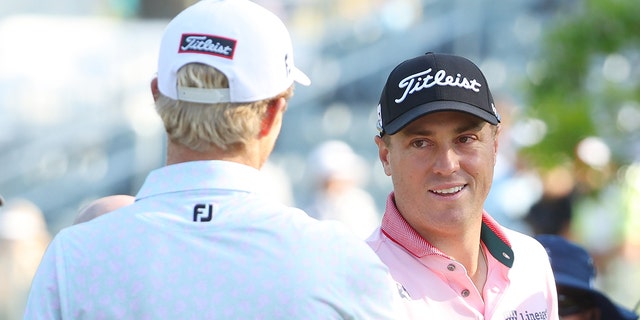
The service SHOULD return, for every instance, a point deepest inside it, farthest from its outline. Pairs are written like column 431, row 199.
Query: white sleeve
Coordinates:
column 45, row 296
column 377, row 295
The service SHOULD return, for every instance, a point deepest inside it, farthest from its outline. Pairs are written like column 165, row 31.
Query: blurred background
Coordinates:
column 77, row 120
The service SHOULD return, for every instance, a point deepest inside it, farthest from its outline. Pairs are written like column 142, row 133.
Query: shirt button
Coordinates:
column 451, row 267
column 465, row 293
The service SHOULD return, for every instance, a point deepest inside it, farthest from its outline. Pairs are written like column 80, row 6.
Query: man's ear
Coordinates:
column 154, row 88
column 383, row 154
column 496, row 144
column 273, row 116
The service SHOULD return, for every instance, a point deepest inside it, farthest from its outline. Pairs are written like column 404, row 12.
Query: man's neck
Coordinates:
column 465, row 247
column 177, row 153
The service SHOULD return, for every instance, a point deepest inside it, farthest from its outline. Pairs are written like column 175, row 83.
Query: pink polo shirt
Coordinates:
column 520, row 283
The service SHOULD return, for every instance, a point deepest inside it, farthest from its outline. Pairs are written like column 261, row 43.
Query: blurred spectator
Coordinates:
column 575, row 275
column 552, row 213
column 622, row 276
column 338, row 174
column 23, row 240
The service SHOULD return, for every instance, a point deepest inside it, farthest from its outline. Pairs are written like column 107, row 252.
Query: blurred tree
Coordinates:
column 585, row 82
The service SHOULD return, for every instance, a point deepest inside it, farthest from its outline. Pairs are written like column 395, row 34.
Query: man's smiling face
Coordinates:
column 441, row 165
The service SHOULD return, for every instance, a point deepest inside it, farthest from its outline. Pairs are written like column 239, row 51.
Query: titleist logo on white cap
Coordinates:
column 240, row 39
column 207, row 44
column 424, row 80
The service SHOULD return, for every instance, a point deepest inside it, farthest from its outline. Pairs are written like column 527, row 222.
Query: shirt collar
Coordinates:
column 398, row 230
column 198, row 175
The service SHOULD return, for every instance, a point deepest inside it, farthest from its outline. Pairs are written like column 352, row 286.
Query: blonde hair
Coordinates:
column 201, row 126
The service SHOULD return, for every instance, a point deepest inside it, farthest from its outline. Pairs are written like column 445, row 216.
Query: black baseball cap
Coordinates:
column 433, row 82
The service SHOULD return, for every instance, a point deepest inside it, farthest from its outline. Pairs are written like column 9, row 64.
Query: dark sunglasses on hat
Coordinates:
column 571, row 301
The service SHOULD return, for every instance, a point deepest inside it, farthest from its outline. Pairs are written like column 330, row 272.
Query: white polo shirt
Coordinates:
column 202, row 242
column 519, row 286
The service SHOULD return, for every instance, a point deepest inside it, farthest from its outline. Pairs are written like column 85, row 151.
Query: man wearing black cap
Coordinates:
column 438, row 141
column 575, row 274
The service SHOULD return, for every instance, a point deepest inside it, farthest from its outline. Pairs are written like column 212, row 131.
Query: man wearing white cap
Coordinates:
column 201, row 241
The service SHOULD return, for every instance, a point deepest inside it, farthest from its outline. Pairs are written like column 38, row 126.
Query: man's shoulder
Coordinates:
column 104, row 228
column 525, row 245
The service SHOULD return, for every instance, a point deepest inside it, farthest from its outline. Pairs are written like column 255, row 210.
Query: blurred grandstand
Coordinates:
column 77, row 120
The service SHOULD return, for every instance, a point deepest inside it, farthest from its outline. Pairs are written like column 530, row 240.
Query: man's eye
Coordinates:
column 419, row 143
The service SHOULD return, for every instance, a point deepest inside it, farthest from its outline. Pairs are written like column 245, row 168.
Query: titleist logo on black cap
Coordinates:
column 207, row 44
column 430, row 83
column 424, row 80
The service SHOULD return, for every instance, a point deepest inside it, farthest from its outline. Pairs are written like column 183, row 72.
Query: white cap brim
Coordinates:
column 300, row 77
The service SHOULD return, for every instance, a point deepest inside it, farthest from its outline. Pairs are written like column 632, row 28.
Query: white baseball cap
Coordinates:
column 245, row 41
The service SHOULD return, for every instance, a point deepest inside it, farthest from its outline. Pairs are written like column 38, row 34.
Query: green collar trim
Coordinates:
column 498, row 248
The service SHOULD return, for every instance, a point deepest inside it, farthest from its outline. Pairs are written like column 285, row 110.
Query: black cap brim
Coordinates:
column 435, row 106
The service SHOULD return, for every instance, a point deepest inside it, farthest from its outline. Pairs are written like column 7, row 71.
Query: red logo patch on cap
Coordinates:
column 207, row 44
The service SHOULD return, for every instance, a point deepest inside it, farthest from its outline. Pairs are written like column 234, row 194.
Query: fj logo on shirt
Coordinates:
column 202, row 212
